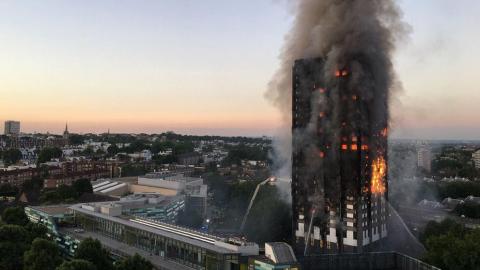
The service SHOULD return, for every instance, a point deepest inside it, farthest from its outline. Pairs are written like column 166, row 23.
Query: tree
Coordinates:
column 77, row 265
column 243, row 152
column 164, row 159
column 63, row 193
column 15, row 216
column 161, row 146
column 82, row 186
column 76, row 139
column 136, row 146
column 42, row 255
column 36, row 230
column 451, row 251
column 88, row 151
column 13, row 243
column 134, row 263
column 91, row 250
column 46, row 154
column 183, row 148
column 447, row 226
column 7, row 189
column 468, row 209
column 11, row 156
column 35, row 184
column 112, row 150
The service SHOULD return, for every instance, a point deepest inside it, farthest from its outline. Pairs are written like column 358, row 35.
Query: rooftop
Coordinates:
column 196, row 238
column 53, row 210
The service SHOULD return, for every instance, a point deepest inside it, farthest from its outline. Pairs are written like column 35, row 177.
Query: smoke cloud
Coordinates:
column 360, row 34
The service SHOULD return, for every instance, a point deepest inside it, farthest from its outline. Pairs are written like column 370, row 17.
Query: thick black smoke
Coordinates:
column 358, row 34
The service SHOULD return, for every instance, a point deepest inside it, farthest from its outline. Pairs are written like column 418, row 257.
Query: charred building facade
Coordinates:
column 339, row 186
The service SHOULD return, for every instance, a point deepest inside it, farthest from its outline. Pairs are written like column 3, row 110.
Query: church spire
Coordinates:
column 65, row 133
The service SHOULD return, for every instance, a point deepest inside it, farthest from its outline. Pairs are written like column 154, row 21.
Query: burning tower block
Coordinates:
column 339, row 185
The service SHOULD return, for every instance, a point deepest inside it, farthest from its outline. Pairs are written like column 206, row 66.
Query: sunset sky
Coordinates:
column 201, row 67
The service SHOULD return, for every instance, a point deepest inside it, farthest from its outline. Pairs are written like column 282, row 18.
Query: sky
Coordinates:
column 202, row 67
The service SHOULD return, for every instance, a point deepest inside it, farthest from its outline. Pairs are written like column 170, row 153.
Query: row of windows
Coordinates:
column 177, row 251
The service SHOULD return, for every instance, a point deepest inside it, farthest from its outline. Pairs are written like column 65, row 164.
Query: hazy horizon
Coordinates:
column 151, row 67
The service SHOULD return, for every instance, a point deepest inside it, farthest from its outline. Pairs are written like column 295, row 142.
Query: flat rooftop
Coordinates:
column 54, row 209
column 199, row 239
column 122, row 249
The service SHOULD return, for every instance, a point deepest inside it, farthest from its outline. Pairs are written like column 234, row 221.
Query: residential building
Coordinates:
column 476, row 159
column 339, row 184
column 189, row 158
column 59, row 173
column 424, row 159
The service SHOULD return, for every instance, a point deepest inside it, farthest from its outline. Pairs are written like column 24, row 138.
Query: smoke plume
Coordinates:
column 360, row 34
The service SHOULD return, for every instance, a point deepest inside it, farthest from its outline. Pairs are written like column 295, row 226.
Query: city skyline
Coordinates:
column 152, row 67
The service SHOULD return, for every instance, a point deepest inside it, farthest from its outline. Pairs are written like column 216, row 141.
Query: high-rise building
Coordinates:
column 12, row 127
column 476, row 159
column 339, row 186
column 424, row 158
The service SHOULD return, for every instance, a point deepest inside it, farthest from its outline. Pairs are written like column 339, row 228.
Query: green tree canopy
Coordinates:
column 135, row 262
column 447, row 226
column 242, row 152
column 113, row 150
column 160, row 146
column 15, row 216
column 46, row 154
column 42, row 255
column 77, row 265
column 76, row 139
column 451, row 251
column 11, row 156
column 468, row 209
column 13, row 243
column 7, row 189
column 35, row 231
column 82, row 186
column 91, row 250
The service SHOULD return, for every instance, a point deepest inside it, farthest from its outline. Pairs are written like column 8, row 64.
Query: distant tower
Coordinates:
column 12, row 128
column 66, row 134
column 424, row 157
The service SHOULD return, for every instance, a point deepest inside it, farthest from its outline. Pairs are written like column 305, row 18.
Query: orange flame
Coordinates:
column 379, row 170
column 384, row 132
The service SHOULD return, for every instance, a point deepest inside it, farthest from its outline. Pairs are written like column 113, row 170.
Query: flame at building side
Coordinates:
column 379, row 171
